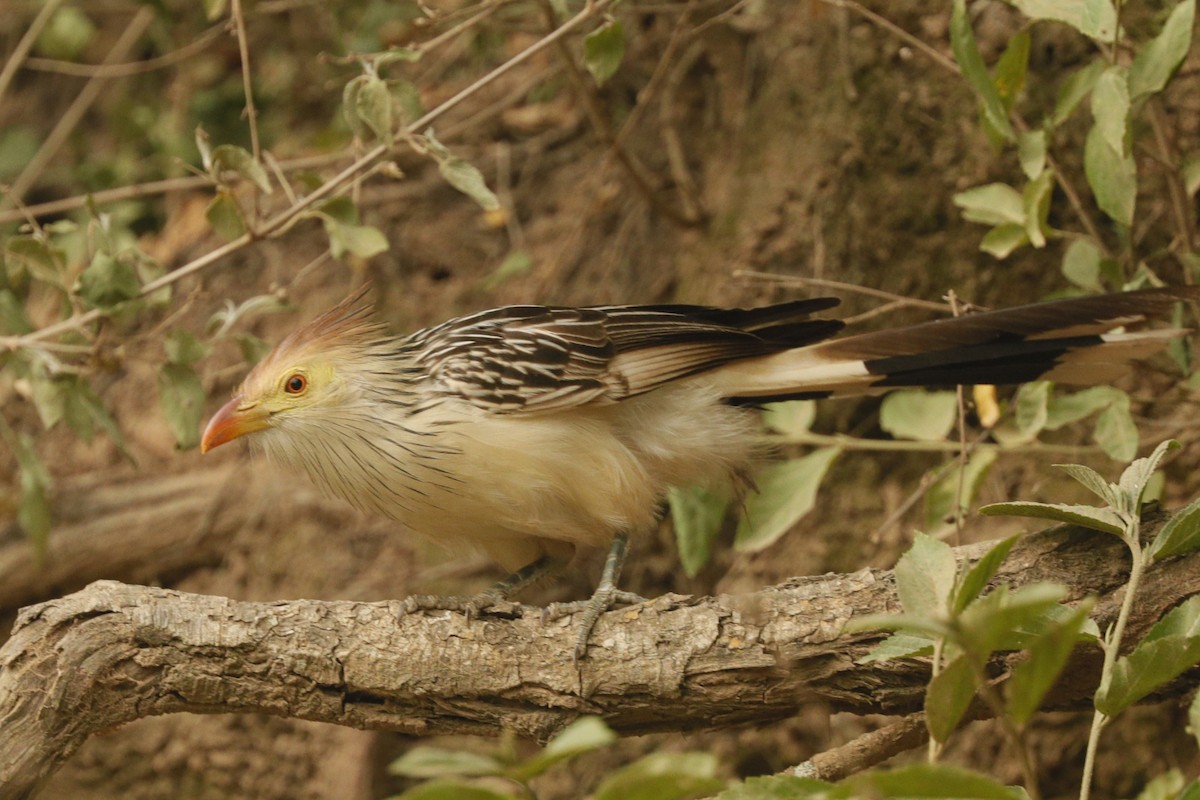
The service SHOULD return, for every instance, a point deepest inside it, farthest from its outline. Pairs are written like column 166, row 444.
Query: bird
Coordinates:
column 530, row 430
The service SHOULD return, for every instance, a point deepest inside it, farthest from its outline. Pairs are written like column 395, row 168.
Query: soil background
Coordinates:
column 797, row 139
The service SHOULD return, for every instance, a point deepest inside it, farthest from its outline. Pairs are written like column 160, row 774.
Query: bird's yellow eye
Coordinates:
column 296, row 384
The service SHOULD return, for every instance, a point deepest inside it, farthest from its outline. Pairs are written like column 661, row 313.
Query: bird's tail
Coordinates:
column 1079, row 341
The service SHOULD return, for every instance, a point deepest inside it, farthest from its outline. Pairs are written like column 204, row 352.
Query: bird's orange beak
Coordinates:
column 234, row 419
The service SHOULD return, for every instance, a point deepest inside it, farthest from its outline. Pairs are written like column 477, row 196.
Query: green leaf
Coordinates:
column 517, row 262
column 791, row 417
column 181, row 397
column 452, row 790
column 362, row 241
column 1006, row 619
column 1189, row 792
column 1166, row 786
column 12, row 315
column 66, row 35
column 1063, row 409
column 966, row 52
column 1011, row 69
column 1094, row 482
column 1180, row 535
column 898, row 645
column 1037, row 208
column 919, row 414
column 407, row 55
column 1171, row 647
column 1031, row 150
column 787, row 491
column 992, row 204
column 1033, row 400
column 1116, row 432
column 925, row 577
column 214, row 9
column 1095, row 518
column 930, row 780
column 1094, row 18
column 777, row 787
column 603, row 50
column 253, row 348
column 48, row 397
column 663, row 776
column 183, row 348
column 1194, row 717
column 1048, row 654
column 973, row 581
column 461, row 175
column 373, row 105
column 697, row 515
column 1133, row 480
column 35, row 256
column 231, row 158
column 1078, row 86
column 581, row 736
column 350, row 106
column 225, row 216
column 906, row 623
column 948, row 696
column 1081, row 265
column 1190, row 172
column 1001, row 241
column 33, row 510
column 1107, row 158
column 107, row 282
column 84, row 410
column 423, row 761
column 942, row 499
column 1157, row 61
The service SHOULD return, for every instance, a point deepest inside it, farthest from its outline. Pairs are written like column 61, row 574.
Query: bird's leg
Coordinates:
column 605, row 597
column 500, row 592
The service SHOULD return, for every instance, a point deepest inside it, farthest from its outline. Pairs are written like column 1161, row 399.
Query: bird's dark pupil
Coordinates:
column 295, row 383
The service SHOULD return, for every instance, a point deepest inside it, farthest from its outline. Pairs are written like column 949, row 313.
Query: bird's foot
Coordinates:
column 604, row 599
column 489, row 600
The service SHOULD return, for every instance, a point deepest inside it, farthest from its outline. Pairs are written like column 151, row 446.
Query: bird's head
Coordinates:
column 308, row 375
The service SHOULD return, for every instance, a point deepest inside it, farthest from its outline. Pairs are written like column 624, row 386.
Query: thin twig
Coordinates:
column 293, row 212
column 239, row 19
column 125, row 70
column 845, row 287
column 23, row 47
column 74, row 114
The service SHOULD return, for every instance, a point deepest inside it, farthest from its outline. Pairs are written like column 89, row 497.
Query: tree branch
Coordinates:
column 114, row 653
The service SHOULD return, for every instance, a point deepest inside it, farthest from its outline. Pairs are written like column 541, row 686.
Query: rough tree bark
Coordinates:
column 113, row 653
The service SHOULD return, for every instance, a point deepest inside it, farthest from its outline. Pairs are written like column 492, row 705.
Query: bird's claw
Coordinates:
column 470, row 606
column 604, row 599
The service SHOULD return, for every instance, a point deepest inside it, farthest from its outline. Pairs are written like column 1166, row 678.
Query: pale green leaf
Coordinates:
column 696, row 514
column 1110, row 108
column 942, row 499
column 1116, row 432
column 778, row 787
column 516, row 263
column 350, row 105
column 181, row 397
column 992, row 204
column 238, row 159
column 1166, row 786
column 1032, row 407
column 791, row 417
column 1133, row 480
column 898, row 645
column 787, row 491
column 1180, row 535
column 1037, row 207
column 603, row 50
column 1048, row 654
column 1011, row 69
column 1064, row 409
column 362, row 241
column 1081, row 265
column 407, row 55
column 1157, row 61
column 948, row 696
column 33, row 510
column 183, row 348
column 1006, row 618
column 1001, row 241
column 67, row 35
column 1095, row 518
column 1194, row 717
column 1094, row 481
column 930, row 780
column 1031, row 150
column 225, row 216
column 423, row 761
column 973, row 580
column 966, row 52
column 107, row 282
column 663, row 776
column 1171, row 647
column 449, row 789
column 1076, row 87
column 373, row 105
column 1190, row 172
column 925, row 577
column 919, row 414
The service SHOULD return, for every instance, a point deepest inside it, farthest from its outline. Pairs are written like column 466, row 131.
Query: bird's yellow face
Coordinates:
column 271, row 392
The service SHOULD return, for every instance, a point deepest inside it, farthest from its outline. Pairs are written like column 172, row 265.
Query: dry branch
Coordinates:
column 114, row 653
